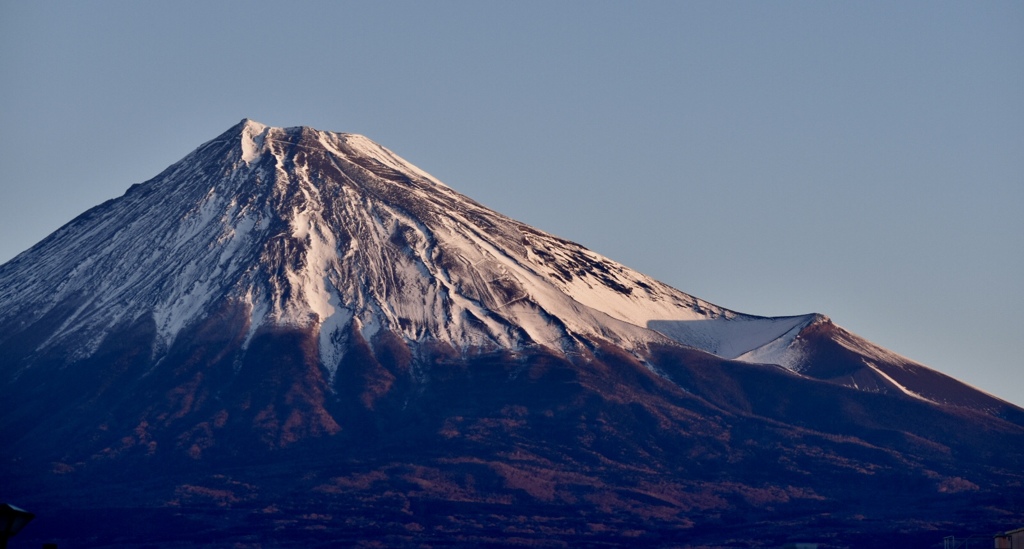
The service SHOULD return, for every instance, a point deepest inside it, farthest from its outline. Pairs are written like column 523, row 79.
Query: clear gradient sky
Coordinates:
column 864, row 160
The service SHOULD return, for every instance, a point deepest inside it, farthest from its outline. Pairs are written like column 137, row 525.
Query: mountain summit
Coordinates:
column 285, row 293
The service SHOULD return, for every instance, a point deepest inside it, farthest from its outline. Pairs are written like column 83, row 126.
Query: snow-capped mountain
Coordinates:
column 325, row 230
column 306, row 305
column 330, row 232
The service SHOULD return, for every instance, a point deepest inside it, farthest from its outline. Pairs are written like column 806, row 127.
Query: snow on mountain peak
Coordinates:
column 333, row 232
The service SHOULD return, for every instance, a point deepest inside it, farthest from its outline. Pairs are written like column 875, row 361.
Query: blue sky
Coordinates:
column 862, row 160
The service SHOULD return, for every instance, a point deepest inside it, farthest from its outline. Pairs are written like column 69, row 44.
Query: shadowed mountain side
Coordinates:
column 469, row 445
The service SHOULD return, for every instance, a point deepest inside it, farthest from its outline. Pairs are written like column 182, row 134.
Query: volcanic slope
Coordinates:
column 315, row 315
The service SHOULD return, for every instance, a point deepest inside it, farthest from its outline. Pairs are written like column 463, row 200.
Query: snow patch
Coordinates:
column 253, row 139
column 741, row 337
